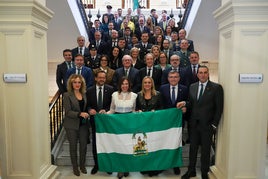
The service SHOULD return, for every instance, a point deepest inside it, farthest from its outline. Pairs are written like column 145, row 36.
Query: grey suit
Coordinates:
column 74, row 129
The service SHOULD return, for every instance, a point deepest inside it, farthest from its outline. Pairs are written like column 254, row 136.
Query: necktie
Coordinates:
column 194, row 70
column 173, row 95
column 200, row 92
column 80, row 50
column 126, row 72
column 97, row 44
column 149, row 72
column 100, row 103
column 78, row 71
column 144, row 46
column 69, row 65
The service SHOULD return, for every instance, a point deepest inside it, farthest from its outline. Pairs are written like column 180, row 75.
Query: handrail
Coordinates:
column 187, row 12
column 56, row 114
column 81, row 8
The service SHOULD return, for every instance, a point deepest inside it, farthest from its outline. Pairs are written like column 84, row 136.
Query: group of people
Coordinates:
column 110, row 77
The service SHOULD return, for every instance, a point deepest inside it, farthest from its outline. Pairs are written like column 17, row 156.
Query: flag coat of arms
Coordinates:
column 139, row 141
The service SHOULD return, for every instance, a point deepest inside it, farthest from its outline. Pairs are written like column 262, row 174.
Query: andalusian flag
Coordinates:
column 139, row 141
column 135, row 4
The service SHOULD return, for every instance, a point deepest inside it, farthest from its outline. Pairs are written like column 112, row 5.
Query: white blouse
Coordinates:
column 123, row 102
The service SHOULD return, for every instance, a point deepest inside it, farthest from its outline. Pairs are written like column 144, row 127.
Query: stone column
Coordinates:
column 243, row 48
column 24, row 122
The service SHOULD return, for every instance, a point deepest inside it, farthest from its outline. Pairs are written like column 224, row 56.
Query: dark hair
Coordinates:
column 66, row 50
column 106, row 56
column 195, row 52
column 202, row 66
column 79, row 55
column 100, row 71
column 152, row 10
column 121, row 82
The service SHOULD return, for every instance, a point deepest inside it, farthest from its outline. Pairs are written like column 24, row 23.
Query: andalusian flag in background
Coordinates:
column 140, row 141
column 135, row 4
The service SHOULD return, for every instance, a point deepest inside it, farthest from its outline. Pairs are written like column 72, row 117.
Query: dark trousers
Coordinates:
column 75, row 136
column 200, row 136
column 94, row 146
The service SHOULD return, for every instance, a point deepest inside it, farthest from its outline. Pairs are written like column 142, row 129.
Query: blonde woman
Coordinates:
column 136, row 62
column 76, row 121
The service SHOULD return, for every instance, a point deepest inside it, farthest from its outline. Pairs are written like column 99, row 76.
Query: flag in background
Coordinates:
column 135, row 4
column 140, row 141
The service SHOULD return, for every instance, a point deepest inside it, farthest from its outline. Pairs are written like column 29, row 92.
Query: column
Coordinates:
column 243, row 38
column 24, row 122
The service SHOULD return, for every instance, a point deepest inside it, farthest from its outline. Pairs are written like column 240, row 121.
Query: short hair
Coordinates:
column 121, row 38
column 127, row 28
column 171, row 72
column 194, row 52
column 121, row 82
column 202, row 66
column 100, row 71
column 150, row 53
column 153, row 91
column 152, row 10
column 66, row 50
column 71, row 80
column 79, row 55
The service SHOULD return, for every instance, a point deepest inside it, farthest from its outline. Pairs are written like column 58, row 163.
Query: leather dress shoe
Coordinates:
column 83, row 169
column 126, row 174
column 94, row 170
column 120, row 175
column 204, row 176
column 109, row 173
column 76, row 171
column 177, row 170
column 188, row 175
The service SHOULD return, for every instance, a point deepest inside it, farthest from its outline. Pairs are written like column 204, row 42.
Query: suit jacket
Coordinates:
column 102, row 49
column 189, row 76
column 92, row 98
column 144, row 51
column 60, row 76
column 161, row 24
column 164, row 79
column 133, row 76
column 155, row 103
column 75, row 52
column 182, row 95
column 117, row 25
column 138, row 31
column 72, row 110
column 208, row 109
column 139, row 64
column 86, row 73
column 156, row 75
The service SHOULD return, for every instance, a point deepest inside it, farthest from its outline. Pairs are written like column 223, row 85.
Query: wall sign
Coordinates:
column 15, row 78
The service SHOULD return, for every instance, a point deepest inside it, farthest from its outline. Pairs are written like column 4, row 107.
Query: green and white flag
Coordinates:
column 139, row 141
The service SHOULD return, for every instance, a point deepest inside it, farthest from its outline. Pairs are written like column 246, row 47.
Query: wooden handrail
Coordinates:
column 56, row 115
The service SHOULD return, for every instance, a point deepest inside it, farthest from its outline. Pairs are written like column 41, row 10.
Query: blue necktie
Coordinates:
column 173, row 95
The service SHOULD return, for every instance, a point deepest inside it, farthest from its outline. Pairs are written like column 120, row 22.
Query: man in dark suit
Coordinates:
column 191, row 70
column 130, row 72
column 151, row 71
column 117, row 21
column 81, row 70
column 94, row 29
column 140, row 28
column 144, row 45
column 80, row 49
column 182, row 35
column 100, row 45
column 153, row 16
column 175, row 63
column 172, row 93
column 62, row 69
column 99, row 100
column 206, row 105
column 166, row 49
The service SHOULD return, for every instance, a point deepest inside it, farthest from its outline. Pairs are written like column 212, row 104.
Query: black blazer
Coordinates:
column 189, row 76
column 133, row 77
column 182, row 95
column 75, row 52
column 156, row 75
column 92, row 98
column 144, row 51
column 208, row 109
column 155, row 103
column 60, row 76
